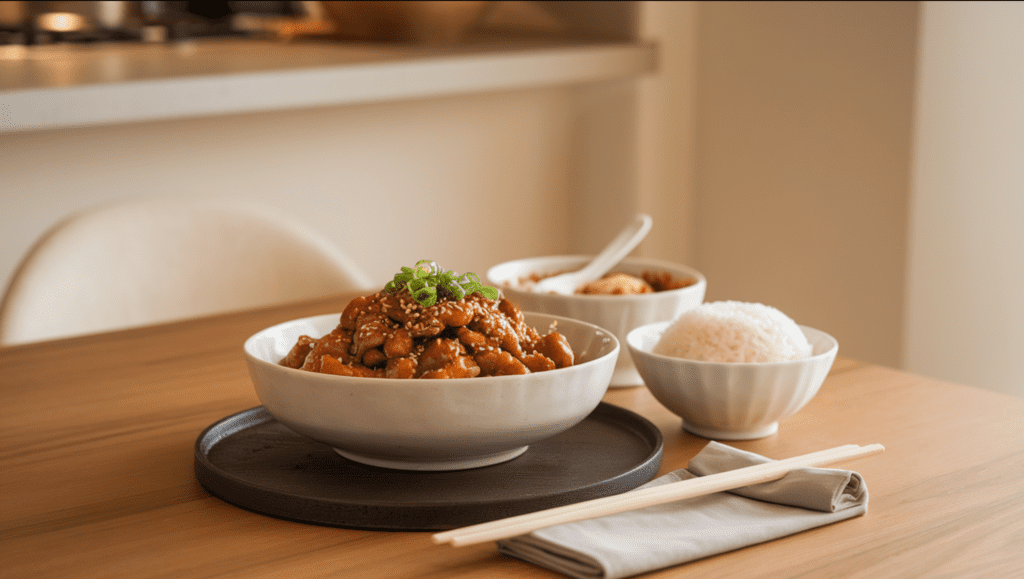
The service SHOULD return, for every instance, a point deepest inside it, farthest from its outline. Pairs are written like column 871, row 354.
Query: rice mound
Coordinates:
column 733, row 331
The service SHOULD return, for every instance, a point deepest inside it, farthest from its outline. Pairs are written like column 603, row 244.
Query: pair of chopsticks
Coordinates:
column 638, row 499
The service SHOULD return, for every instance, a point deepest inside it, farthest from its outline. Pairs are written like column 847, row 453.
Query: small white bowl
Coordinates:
column 618, row 313
column 424, row 424
column 731, row 401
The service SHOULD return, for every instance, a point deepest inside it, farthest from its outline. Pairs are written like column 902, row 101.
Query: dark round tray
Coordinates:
column 254, row 462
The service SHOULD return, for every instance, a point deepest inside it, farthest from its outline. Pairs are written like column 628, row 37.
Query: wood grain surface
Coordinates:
column 97, row 480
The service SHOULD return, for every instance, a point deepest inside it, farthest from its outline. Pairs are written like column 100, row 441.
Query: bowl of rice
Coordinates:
column 732, row 370
column 675, row 288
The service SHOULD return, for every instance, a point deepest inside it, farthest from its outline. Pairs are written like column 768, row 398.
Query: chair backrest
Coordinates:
column 137, row 263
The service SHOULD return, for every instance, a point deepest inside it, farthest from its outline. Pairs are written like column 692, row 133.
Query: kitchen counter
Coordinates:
column 61, row 86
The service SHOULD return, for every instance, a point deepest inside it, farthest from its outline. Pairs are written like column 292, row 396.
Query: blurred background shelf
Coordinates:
column 67, row 86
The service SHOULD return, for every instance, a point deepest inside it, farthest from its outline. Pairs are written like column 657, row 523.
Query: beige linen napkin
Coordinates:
column 634, row 542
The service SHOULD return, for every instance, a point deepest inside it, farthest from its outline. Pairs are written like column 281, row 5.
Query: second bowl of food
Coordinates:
column 671, row 289
column 730, row 400
column 465, row 382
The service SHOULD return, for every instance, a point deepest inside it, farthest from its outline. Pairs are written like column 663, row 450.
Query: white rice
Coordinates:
column 732, row 331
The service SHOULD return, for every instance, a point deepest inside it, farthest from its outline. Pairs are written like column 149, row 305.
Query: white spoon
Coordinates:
column 623, row 243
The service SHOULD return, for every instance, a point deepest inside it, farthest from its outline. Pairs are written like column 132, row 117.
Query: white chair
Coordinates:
column 144, row 262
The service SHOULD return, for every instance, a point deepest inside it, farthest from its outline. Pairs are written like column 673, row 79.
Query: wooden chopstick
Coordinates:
column 638, row 499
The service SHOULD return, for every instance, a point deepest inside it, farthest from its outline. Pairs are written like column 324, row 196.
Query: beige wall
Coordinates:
column 965, row 313
column 802, row 163
column 665, row 126
column 469, row 180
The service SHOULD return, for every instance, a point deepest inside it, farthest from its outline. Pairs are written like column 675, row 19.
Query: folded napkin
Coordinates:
column 644, row 540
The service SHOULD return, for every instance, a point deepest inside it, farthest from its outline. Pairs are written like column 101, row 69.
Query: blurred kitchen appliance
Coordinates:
column 53, row 22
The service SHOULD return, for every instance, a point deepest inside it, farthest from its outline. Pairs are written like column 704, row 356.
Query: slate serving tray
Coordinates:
column 252, row 461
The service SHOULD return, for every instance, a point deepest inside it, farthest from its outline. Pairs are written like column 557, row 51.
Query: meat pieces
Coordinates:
column 390, row 335
column 297, row 356
column 617, row 284
column 500, row 363
column 557, row 348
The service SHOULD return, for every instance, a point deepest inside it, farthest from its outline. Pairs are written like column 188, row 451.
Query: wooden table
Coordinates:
column 97, row 472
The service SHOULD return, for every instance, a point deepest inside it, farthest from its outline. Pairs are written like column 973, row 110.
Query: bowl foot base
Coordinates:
column 719, row 434
column 433, row 465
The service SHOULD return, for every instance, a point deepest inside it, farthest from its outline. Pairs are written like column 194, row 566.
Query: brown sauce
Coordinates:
column 619, row 283
column 390, row 335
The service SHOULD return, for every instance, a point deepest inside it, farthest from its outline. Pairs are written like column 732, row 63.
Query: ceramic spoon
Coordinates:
column 623, row 243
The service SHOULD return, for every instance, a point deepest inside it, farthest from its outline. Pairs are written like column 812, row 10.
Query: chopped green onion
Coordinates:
column 426, row 282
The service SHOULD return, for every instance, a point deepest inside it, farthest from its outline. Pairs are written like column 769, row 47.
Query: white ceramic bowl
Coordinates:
column 620, row 313
column 731, row 401
column 423, row 424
